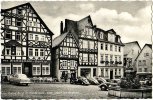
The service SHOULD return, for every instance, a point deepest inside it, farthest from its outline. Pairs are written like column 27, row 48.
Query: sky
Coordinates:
column 130, row 19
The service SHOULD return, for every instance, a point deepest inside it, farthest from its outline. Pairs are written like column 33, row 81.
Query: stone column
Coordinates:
column 79, row 72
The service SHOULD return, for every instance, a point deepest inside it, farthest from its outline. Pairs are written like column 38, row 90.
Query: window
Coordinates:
column 6, row 70
column 116, row 48
column 18, row 51
column 36, row 70
column 8, row 35
column 91, row 58
column 65, row 51
column 7, row 21
column 111, row 57
column 18, row 22
column 45, row 70
column 146, row 54
column 144, row 62
column 119, row 71
column 30, row 52
column 41, row 52
column 115, row 71
column 72, row 63
column 140, row 69
column 7, row 51
column 18, row 36
column 19, row 11
column 119, row 49
column 31, row 36
column 106, row 47
column 13, row 50
column 43, row 38
column 145, row 70
column 36, row 37
column 111, row 47
column 119, row 58
column 85, row 44
column 16, row 70
column 106, row 57
column 106, row 72
column 30, row 23
column 139, row 63
column 91, row 45
column 85, row 57
column 101, row 46
column 64, row 63
column 102, row 59
column 115, row 58
column 101, row 35
column 73, row 51
column 35, row 24
column 102, row 72
column 36, row 52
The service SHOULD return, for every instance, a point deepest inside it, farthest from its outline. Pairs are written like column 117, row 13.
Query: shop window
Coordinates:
column 36, row 70
column 16, row 70
column 45, row 70
column 6, row 70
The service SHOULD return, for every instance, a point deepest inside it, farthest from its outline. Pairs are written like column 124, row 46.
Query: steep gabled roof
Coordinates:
column 28, row 4
column 149, row 45
column 111, row 31
column 59, row 39
column 128, row 47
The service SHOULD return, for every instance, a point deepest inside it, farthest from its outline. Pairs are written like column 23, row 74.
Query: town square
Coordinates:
column 76, row 50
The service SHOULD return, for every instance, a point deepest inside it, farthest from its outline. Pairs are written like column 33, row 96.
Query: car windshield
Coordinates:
column 22, row 76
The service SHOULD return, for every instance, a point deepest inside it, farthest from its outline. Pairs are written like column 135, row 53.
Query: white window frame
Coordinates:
column 45, row 71
column 7, row 48
column 30, row 52
column 17, row 66
column 36, row 66
column 18, row 51
column 8, row 21
column 5, row 68
column 42, row 53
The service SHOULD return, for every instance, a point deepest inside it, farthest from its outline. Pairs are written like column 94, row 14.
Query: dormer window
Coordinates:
column 101, row 35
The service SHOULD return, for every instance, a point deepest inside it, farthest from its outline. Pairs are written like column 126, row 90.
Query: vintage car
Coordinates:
column 93, row 81
column 19, row 79
column 108, row 83
column 80, row 80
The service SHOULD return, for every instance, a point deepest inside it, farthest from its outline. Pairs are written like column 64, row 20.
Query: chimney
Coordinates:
column 61, row 27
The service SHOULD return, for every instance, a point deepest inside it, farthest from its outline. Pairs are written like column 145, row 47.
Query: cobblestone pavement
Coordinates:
column 52, row 91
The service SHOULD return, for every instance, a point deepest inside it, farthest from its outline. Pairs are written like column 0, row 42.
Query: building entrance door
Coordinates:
column 111, row 74
column 28, row 69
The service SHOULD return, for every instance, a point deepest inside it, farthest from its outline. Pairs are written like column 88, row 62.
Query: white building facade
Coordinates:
column 110, row 55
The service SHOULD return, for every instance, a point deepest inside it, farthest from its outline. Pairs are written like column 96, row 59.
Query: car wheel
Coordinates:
column 103, row 88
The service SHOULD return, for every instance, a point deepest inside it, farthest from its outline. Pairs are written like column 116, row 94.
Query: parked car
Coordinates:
column 80, row 80
column 93, row 81
column 107, row 84
column 146, row 82
column 19, row 79
column 100, row 79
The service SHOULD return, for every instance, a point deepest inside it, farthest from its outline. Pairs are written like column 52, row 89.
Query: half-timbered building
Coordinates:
column 65, row 56
column 88, row 45
column 26, row 42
